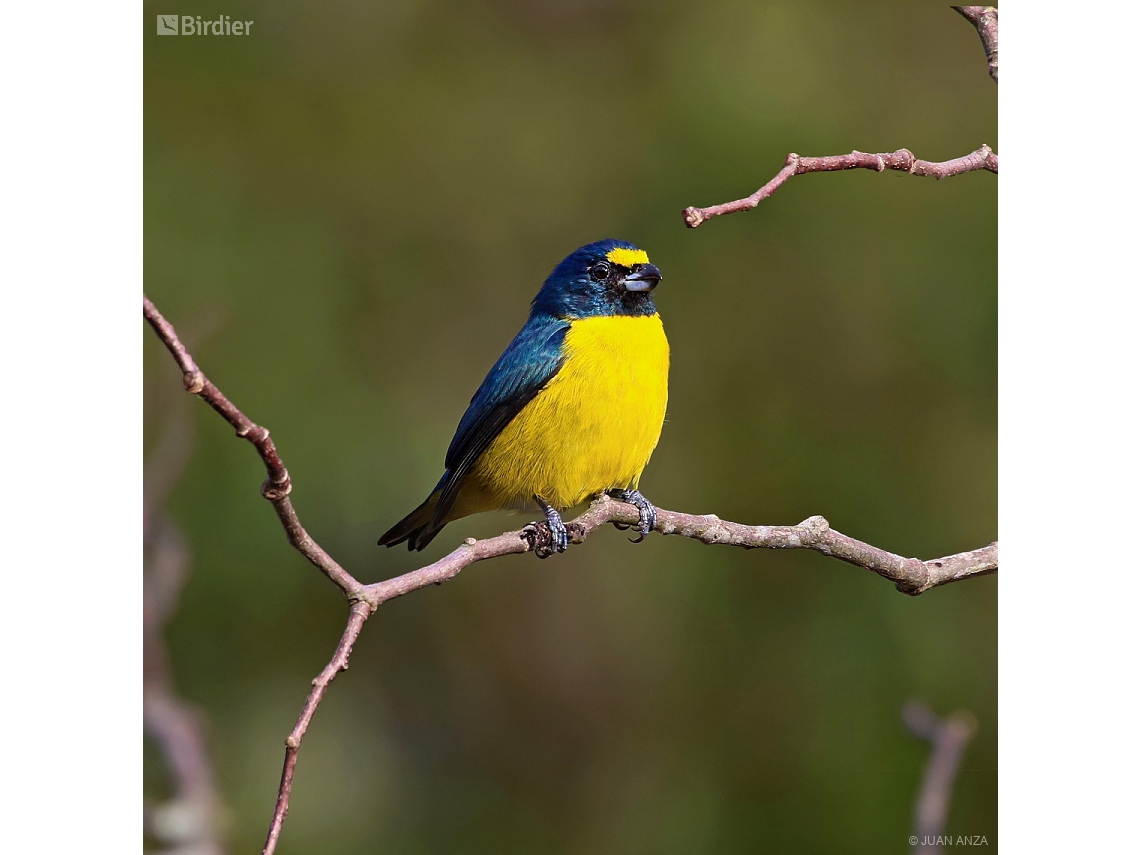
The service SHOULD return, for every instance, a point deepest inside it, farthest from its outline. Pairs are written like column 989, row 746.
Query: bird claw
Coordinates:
column 538, row 536
column 646, row 513
column 550, row 537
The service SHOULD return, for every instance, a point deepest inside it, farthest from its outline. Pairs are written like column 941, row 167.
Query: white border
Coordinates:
column 70, row 502
column 71, row 273
column 1068, row 304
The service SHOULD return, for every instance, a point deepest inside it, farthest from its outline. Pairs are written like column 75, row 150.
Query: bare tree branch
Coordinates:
column 985, row 18
column 910, row 575
column 277, row 485
column 948, row 738
column 901, row 160
column 357, row 615
column 189, row 821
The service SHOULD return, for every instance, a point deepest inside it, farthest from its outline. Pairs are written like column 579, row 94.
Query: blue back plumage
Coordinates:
column 528, row 363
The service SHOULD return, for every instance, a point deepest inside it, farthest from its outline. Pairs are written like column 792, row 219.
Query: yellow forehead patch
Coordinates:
column 627, row 257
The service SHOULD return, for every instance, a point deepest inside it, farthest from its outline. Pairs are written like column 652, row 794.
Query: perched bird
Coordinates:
column 573, row 407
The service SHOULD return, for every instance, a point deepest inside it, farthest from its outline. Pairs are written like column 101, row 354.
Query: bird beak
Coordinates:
column 644, row 278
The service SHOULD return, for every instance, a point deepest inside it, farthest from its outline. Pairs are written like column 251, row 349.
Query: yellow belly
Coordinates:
column 592, row 428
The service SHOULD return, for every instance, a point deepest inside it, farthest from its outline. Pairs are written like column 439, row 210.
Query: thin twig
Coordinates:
column 357, row 615
column 948, row 738
column 189, row 820
column 277, row 485
column 901, row 160
column 910, row 575
column 985, row 18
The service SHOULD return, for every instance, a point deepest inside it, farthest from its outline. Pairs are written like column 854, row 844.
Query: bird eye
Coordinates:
column 600, row 271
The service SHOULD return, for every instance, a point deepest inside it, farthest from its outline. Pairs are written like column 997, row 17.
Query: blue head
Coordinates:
column 608, row 277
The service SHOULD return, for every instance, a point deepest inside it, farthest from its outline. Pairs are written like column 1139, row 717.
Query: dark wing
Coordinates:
column 526, row 366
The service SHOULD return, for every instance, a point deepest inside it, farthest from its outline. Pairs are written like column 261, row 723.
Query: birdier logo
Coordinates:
column 193, row 25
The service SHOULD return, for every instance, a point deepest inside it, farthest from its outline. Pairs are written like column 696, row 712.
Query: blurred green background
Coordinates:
column 360, row 199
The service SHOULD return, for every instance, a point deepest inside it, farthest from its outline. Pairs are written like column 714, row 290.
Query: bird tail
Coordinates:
column 417, row 528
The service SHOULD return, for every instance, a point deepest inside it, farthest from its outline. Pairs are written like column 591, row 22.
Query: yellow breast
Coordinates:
column 595, row 424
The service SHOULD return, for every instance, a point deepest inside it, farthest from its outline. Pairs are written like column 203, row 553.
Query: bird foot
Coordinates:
column 646, row 513
column 549, row 537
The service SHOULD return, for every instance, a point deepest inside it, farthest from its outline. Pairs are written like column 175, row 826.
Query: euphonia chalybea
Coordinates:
column 573, row 407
